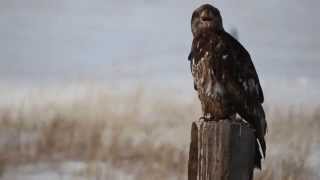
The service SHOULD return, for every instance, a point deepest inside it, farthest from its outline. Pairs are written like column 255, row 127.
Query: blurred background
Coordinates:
column 103, row 90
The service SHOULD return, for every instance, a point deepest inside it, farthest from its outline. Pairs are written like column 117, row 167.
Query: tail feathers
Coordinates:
column 261, row 127
column 263, row 146
column 258, row 157
column 255, row 116
column 260, row 153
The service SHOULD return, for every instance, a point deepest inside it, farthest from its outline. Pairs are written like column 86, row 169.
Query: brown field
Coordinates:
column 140, row 137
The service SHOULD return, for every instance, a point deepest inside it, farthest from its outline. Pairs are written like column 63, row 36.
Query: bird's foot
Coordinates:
column 208, row 118
column 203, row 118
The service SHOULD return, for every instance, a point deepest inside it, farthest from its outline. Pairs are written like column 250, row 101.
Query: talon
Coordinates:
column 210, row 119
column 202, row 118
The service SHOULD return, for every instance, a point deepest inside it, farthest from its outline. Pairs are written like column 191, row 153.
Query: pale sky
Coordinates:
column 149, row 41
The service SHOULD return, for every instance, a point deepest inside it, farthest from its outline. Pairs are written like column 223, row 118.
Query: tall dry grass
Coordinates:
column 147, row 138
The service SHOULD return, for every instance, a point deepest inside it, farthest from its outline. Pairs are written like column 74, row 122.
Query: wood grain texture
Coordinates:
column 221, row 150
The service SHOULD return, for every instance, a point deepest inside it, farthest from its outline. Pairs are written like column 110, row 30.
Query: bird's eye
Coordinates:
column 195, row 15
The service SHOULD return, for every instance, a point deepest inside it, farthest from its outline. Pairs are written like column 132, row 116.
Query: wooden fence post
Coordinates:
column 221, row 150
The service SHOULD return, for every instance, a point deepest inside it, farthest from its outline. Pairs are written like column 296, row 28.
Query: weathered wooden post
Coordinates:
column 221, row 150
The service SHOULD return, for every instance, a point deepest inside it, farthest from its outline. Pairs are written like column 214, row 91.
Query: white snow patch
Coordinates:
column 66, row 170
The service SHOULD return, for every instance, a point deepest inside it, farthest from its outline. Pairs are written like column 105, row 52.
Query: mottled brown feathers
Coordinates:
column 224, row 75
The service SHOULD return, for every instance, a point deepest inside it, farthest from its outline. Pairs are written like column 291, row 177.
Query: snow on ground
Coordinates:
column 69, row 170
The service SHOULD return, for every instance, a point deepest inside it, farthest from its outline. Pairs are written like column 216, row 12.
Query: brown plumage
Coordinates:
column 224, row 75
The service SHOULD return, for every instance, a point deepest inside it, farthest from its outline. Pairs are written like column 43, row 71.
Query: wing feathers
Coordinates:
column 247, row 74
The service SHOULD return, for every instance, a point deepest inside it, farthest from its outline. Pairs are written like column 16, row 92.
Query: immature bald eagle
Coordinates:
column 224, row 75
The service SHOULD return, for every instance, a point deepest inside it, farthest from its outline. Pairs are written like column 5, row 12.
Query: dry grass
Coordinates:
column 147, row 138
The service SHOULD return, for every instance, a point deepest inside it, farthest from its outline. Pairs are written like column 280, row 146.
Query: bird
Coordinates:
column 225, row 77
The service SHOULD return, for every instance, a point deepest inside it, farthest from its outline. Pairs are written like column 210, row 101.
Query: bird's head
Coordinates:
column 206, row 19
